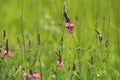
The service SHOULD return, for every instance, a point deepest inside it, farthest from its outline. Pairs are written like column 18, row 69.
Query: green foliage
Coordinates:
column 84, row 57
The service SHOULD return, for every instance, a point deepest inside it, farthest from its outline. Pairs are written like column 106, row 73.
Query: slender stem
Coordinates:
column 74, row 41
column 118, row 42
column 93, row 58
column 103, row 26
column 20, row 47
column 22, row 29
column 78, row 52
column 38, row 36
column 108, row 44
column 108, row 35
column 39, row 48
column 37, row 16
column 40, row 67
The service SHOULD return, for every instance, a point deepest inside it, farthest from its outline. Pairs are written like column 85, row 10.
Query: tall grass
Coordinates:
column 39, row 27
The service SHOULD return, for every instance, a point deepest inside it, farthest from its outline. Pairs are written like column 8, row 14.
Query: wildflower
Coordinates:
column 59, row 62
column 99, row 36
column 34, row 75
column 69, row 24
column 24, row 74
column 6, row 52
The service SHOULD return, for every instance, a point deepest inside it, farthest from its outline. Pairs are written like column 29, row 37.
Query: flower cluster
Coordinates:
column 69, row 24
column 34, row 75
column 59, row 62
column 6, row 52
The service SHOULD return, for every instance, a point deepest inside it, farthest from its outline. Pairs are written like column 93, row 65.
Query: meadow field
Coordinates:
column 59, row 39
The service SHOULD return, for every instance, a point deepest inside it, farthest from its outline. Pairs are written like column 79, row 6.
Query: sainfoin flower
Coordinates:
column 6, row 52
column 69, row 25
column 59, row 62
column 34, row 75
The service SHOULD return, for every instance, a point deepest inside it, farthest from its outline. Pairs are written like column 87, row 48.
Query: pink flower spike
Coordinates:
column 6, row 53
column 59, row 64
column 71, row 25
column 34, row 75
column 67, row 25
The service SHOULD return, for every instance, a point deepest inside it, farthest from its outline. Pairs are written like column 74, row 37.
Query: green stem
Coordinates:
column 40, row 65
column 22, row 29
column 108, row 44
column 78, row 51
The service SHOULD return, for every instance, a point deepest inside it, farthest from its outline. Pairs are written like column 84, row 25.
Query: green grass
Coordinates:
column 93, row 62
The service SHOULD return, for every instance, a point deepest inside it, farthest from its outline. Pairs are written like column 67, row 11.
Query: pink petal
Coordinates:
column 59, row 64
column 67, row 25
column 71, row 25
column 5, row 53
column 36, row 75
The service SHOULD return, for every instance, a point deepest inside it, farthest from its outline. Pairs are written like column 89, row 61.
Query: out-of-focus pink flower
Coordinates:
column 34, row 75
column 24, row 74
column 59, row 64
column 6, row 53
column 69, row 25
